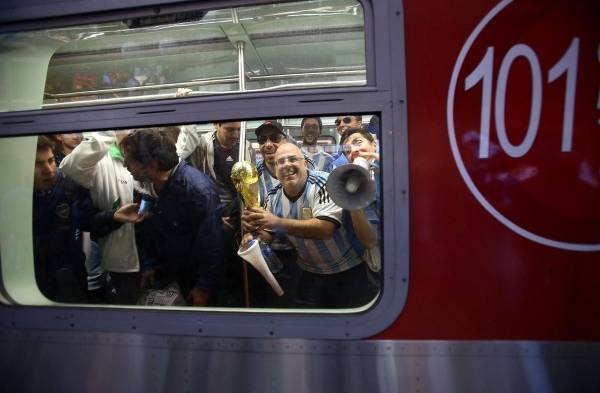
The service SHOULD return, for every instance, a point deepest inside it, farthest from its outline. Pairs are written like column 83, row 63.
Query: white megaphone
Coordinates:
column 252, row 254
column 352, row 186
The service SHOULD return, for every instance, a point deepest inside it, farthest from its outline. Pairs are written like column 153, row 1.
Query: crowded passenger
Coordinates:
column 214, row 153
column 342, row 123
column 60, row 213
column 64, row 144
column 364, row 224
column 311, row 128
column 299, row 208
column 186, row 231
column 182, row 236
column 97, row 164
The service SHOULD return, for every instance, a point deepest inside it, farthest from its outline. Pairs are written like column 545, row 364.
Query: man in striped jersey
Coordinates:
column 299, row 208
column 311, row 128
column 270, row 135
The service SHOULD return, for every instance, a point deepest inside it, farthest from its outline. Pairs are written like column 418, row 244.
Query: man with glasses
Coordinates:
column 182, row 238
column 299, row 208
column 270, row 135
column 311, row 128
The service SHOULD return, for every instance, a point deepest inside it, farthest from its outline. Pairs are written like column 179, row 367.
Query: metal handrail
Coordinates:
column 113, row 100
column 205, row 82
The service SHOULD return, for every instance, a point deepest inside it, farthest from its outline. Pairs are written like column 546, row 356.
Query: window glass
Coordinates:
column 296, row 45
column 95, row 216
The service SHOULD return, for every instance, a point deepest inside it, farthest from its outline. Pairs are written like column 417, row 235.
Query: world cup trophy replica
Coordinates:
column 245, row 179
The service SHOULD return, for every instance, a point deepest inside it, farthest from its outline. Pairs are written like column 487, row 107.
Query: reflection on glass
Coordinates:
column 155, row 208
column 307, row 44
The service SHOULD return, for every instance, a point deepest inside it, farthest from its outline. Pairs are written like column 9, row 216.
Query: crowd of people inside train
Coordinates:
column 118, row 213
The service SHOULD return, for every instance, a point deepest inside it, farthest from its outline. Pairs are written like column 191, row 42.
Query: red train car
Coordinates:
column 488, row 119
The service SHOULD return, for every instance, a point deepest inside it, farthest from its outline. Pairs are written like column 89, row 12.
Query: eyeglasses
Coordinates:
column 345, row 120
column 274, row 138
column 292, row 160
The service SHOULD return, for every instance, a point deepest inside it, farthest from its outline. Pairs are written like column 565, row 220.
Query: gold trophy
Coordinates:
column 245, row 179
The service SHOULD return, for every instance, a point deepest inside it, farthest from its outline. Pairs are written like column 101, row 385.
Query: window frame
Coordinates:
column 383, row 95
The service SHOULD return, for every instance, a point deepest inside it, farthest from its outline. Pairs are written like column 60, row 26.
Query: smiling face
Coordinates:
column 45, row 169
column 310, row 131
column 291, row 169
column 347, row 121
column 228, row 134
column 269, row 141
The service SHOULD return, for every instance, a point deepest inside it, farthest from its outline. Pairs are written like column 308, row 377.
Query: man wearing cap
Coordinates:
column 311, row 128
column 270, row 135
column 299, row 208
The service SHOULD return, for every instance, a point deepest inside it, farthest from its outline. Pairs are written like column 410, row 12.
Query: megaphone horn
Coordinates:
column 351, row 186
column 252, row 254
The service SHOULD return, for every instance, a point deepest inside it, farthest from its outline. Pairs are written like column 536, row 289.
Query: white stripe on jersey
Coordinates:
column 321, row 159
column 318, row 256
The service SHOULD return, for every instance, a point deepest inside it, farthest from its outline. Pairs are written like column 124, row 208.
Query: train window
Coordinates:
column 168, row 79
column 297, row 45
column 174, row 211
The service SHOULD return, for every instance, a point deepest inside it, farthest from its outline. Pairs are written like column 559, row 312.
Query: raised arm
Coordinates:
column 80, row 164
column 365, row 232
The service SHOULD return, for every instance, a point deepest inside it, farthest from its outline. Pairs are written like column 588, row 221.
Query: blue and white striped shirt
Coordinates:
column 321, row 158
column 317, row 256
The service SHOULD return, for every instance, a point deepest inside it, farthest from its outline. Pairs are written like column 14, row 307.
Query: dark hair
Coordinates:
column 312, row 117
column 357, row 117
column 172, row 132
column 44, row 142
column 356, row 130
column 148, row 144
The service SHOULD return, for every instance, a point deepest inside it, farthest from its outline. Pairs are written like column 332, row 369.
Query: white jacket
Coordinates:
column 198, row 146
column 111, row 185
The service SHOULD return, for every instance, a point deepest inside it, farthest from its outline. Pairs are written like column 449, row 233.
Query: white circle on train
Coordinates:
column 458, row 159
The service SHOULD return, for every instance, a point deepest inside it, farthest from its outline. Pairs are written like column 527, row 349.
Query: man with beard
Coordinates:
column 299, row 208
column 182, row 237
column 342, row 123
column 311, row 128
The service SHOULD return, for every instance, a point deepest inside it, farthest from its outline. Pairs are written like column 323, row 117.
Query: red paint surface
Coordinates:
column 471, row 277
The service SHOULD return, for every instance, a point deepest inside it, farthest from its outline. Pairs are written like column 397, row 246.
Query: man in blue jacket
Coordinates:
column 182, row 238
column 61, row 210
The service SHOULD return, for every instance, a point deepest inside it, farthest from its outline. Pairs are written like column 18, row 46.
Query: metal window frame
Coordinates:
column 384, row 94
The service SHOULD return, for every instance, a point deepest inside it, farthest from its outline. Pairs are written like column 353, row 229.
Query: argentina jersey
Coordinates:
column 316, row 256
column 265, row 180
column 321, row 159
